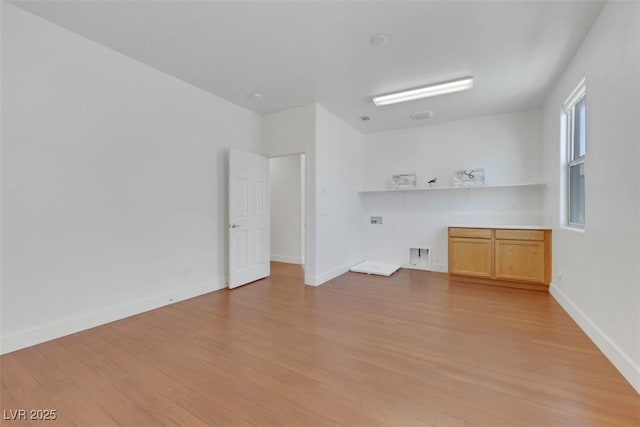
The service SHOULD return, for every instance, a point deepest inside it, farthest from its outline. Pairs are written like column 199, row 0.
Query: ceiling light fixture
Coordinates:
column 435, row 89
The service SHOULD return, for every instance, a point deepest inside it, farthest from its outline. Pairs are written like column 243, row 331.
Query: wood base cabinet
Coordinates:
column 507, row 257
column 470, row 252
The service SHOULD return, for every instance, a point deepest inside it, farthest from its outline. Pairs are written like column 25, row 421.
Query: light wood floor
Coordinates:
column 360, row 350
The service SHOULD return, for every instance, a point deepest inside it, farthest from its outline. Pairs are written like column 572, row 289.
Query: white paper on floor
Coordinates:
column 378, row 268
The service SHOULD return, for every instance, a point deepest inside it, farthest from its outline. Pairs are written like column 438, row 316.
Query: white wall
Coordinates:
column 339, row 227
column 1, row 132
column 334, row 171
column 596, row 275
column 507, row 146
column 292, row 132
column 113, row 183
column 303, row 205
column 285, row 183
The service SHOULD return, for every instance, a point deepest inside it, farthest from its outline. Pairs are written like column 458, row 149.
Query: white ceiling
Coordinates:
column 296, row 53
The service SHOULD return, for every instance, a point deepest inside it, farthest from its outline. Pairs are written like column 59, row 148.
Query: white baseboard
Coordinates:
column 40, row 334
column 332, row 274
column 432, row 267
column 443, row 268
column 287, row 259
column 325, row 277
column 616, row 356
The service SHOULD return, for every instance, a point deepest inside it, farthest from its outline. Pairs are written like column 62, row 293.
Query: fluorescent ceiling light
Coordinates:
column 435, row 89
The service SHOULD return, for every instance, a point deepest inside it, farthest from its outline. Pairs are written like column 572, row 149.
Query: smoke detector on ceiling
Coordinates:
column 379, row 39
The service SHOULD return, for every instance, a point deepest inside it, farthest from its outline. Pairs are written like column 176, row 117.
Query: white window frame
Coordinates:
column 568, row 108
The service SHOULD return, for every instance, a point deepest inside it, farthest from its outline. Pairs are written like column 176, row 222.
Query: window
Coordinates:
column 575, row 116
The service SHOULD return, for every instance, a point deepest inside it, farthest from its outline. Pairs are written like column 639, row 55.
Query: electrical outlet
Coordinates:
column 376, row 220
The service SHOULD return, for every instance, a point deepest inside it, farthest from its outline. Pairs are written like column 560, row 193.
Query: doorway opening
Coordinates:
column 287, row 198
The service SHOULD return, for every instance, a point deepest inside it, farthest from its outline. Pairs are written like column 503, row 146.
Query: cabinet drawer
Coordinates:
column 520, row 235
column 479, row 233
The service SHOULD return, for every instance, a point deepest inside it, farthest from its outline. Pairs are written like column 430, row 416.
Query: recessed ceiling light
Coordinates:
column 422, row 115
column 435, row 89
column 378, row 39
column 256, row 97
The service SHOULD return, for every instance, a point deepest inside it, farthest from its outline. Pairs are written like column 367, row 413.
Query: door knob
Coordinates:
column 233, row 226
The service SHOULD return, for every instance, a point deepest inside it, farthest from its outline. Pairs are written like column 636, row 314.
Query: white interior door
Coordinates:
column 248, row 218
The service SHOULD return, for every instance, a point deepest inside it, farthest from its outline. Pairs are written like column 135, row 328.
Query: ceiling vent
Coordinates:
column 422, row 115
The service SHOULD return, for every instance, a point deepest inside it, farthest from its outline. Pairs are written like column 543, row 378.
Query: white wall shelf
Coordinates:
column 389, row 190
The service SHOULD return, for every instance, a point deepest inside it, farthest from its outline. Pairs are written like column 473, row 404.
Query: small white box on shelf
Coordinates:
column 403, row 181
column 468, row 178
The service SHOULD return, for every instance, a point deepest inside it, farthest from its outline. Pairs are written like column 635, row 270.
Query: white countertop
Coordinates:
column 512, row 227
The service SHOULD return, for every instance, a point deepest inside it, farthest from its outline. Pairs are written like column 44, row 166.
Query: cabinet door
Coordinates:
column 470, row 257
column 520, row 260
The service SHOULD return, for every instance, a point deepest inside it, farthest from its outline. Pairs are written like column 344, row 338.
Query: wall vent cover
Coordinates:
column 422, row 115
